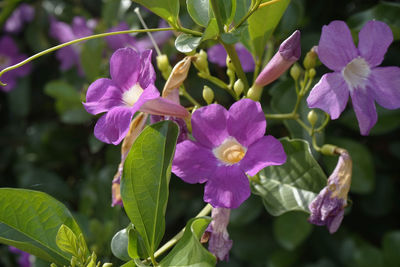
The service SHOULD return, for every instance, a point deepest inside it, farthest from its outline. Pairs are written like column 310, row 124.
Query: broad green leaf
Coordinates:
column 189, row 252
column 211, row 31
column 363, row 178
column 263, row 23
column 199, row 10
column 167, row 9
column 293, row 185
column 67, row 241
column 233, row 37
column 384, row 11
column 186, row 43
column 145, row 180
column 30, row 220
column 91, row 58
column 227, row 9
column 119, row 245
column 291, row 229
column 391, row 248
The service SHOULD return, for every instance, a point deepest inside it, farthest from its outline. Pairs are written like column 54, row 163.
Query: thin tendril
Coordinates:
column 137, row 11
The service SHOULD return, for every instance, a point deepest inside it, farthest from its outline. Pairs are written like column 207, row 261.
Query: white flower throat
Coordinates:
column 230, row 151
column 356, row 73
column 131, row 96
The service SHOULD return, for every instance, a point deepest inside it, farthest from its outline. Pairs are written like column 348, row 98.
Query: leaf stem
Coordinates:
column 219, row 83
column 251, row 11
column 54, row 48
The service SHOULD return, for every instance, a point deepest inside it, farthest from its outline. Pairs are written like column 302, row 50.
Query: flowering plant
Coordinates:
column 109, row 177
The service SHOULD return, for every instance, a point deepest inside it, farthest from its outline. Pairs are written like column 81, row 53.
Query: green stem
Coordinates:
column 324, row 124
column 204, row 212
column 217, row 15
column 54, row 48
column 192, row 32
column 219, row 83
column 284, row 116
column 230, row 49
column 184, row 93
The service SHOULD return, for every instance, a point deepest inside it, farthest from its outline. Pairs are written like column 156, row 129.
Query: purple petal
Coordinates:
column 386, row 86
column 265, row 152
column 102, row 95
column 364, row 106
column 125, row 67
column 80, row 27
column 68, row 57
column 112, row 127
column 334, row 223
column 219, row 243
column 290, row 49
column 61, row 31
column 217, row 55
column 374, row 39
column 8, row 47
column 23, row 13
column 209, row 125
column 162, row 106
column 330, row 94
column 245, row 57
column 193, row 171
column 336, row 47
column 147, row 74
column 246, row 121
column 227, row 188
column 121, row 40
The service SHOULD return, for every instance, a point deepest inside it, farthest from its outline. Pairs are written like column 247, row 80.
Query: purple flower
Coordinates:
column 288, row 53
column 217, row 55
column 328, row 207
column 229, row 145
column 219, row 243
column 69, row 56
column 356, row 73
column 22, row 14
column 23, row 260
column 130, row 89
column 9, row 55
column 121, row 40
column 159, row 37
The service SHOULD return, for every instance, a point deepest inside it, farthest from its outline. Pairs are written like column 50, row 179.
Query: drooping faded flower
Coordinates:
column 24, row 13
column 130, row 89
column 24, row 257
column 69, row 56
column 356, row 73
column 328, row 207
column 9, row 55
column 217, row 55
column 219, row 243
column 229, row 144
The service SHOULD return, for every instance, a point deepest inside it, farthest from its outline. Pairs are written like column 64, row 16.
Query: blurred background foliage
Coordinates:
column 47, row 143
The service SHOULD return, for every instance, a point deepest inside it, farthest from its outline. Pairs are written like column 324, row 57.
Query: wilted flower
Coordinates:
column 23, row 260
column 228, row 145
column 9, row 55
column 328, row 207
column 22, row 14
column 217, row 55
column 219, row 243
column 69, row 56
column 356, row 73
column 130, row 89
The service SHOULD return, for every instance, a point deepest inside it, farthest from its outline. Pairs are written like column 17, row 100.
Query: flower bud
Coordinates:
column 255, row 92
column 238, row 87
column 328, row 149
column 208, row 94
column 310, row 60
column 201, row 62
column 288, row 53
column 312, row 73
column 163, row 65
column 295, row 72
column 107, row 264
column 312, row 117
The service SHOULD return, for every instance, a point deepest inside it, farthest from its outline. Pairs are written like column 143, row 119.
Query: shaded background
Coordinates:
column 47, row 144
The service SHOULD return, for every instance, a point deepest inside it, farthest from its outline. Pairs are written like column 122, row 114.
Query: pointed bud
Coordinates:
column 312, row 117
column 295, row 71
column 201, row 62
column 288, row 53
column 310, row 60
column 238, row 87
column 255, row 92
column 208, row 94
column 312, row 73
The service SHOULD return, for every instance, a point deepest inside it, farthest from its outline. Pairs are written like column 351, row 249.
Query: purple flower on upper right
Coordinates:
column 356, row 73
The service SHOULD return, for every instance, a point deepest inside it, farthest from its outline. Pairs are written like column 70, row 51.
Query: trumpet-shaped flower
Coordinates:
column 130, row 89
column 356, row 73
column 328, row 207
column 229, row 144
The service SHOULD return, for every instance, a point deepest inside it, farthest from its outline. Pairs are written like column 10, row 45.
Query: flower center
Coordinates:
column 131, row 96
column 356, row 73
column 230, row 151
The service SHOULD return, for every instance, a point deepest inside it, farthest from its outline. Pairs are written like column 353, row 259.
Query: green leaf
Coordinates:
column 67, row 241
column 227, row 9
column 186, row 43
column 211, row 31
column 391, row 248
column 291, row 229
column 91, row 58
column 136, row 247
column 363, row 178
column 233, row 37
column 30, row 220
column 119, row 245
column 263, row 23
column 145, row 180
column 293, row 185
column 384, row 11
column 199, row 10
column 189, row 252
column 167, row 9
